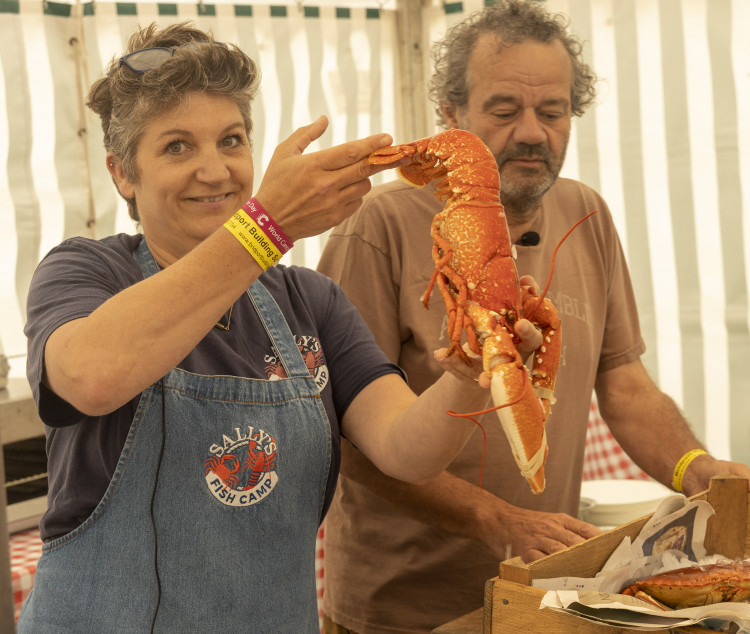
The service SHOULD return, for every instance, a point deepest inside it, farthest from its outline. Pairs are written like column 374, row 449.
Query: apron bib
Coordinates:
column 211, row 516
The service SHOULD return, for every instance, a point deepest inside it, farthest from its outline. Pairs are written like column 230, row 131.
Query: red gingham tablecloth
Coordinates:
column 604, row 459
column 25, row 550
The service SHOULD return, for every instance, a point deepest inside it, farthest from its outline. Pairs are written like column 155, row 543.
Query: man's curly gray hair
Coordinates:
column 512, row 21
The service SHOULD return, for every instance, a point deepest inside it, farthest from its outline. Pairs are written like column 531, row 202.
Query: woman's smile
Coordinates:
column 211, row 199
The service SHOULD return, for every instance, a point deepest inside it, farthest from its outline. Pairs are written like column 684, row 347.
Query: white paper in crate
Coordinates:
column 672, row 538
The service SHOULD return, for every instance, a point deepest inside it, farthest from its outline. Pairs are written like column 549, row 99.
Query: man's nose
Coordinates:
column 528, row 129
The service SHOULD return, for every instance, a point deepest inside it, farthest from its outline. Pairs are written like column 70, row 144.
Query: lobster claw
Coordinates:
column 520, row 411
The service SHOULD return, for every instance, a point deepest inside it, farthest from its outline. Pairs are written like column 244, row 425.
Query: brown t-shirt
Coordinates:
column 385, row 572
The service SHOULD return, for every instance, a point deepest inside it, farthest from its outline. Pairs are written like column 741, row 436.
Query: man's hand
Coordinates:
column 698, row 476
column 510, row 531
column 458, row 368
column 531, row 337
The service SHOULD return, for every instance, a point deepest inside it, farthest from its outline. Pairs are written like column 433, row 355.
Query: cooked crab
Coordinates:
column 696, row 585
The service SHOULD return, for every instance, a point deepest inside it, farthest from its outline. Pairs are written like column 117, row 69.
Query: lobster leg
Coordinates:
column 442, row 252
column 455, row 301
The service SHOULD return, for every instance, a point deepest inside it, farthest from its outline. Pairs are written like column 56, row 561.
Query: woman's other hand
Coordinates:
column 456, row 366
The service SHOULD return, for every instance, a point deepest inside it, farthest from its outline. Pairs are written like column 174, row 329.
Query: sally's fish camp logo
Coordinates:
column 242, row 468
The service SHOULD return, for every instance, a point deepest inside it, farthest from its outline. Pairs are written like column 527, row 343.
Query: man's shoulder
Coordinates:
column 569, row 198
column 399, row 189
column 570, row 186
column 391, row 208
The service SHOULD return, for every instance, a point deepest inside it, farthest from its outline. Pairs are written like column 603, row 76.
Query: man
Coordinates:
column 402, row 558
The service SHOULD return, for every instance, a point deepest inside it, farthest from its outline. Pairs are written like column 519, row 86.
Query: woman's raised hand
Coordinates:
column 307, row 194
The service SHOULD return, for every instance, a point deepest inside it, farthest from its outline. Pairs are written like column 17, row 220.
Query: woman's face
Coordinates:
column 195, row 170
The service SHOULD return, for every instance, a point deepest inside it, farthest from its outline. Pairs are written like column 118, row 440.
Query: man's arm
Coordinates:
column 652, row 430
column 462, row 508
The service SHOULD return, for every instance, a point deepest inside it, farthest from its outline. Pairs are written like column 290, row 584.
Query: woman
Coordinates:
column 193, row 451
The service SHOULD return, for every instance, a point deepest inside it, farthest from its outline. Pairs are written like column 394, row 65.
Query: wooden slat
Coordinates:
column 514, row 608
column 7, row 619
column 726, row 533
column 18, row 416
column 26, row 514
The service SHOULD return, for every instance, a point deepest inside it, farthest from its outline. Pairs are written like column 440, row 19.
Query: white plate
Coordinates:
column 617, row 502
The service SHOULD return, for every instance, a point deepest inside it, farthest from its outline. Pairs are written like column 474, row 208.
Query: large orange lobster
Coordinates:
column 476, row 274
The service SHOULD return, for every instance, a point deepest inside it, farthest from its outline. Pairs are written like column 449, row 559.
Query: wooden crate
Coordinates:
column 511, row 604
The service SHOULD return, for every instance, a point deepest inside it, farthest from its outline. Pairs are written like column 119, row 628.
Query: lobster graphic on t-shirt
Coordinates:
column 312, row 353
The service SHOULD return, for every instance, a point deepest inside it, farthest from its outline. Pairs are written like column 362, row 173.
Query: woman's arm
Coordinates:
column 102, row 361
column 413, row 438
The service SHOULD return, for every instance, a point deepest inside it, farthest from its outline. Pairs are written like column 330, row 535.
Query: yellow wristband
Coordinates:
column 682, row 465
column 253, row 238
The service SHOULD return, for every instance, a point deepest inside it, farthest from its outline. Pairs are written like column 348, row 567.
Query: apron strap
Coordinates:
column 278, row 330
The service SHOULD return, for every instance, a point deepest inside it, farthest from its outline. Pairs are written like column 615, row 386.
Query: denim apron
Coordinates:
column 210, row 519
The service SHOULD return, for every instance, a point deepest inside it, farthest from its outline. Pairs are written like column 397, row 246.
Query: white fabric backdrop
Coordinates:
column 668, row 145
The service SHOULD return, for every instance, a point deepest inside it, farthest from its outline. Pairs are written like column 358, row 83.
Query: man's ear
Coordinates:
column 450, row 114
column 123, row 184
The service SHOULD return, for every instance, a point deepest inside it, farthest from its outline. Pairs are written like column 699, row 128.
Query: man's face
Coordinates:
column 519, row 105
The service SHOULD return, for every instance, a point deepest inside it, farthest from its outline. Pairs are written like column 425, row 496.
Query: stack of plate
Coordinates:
column 608, row 503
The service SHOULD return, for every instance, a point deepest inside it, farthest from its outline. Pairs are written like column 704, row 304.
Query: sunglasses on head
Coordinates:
column 149, row 58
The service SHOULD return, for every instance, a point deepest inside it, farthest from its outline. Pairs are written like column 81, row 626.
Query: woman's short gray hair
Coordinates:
column 512, row 21
column 126, row 100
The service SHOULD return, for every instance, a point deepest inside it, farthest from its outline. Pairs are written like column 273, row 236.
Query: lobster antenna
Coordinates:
column 552, row 263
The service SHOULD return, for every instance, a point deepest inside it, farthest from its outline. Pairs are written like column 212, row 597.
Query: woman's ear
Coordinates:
column 123, row 184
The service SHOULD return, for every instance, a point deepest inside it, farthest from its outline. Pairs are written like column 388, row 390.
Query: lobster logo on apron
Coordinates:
column 242, row 468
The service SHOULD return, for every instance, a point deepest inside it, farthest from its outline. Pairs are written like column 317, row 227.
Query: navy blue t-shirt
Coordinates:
column 80, row 274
